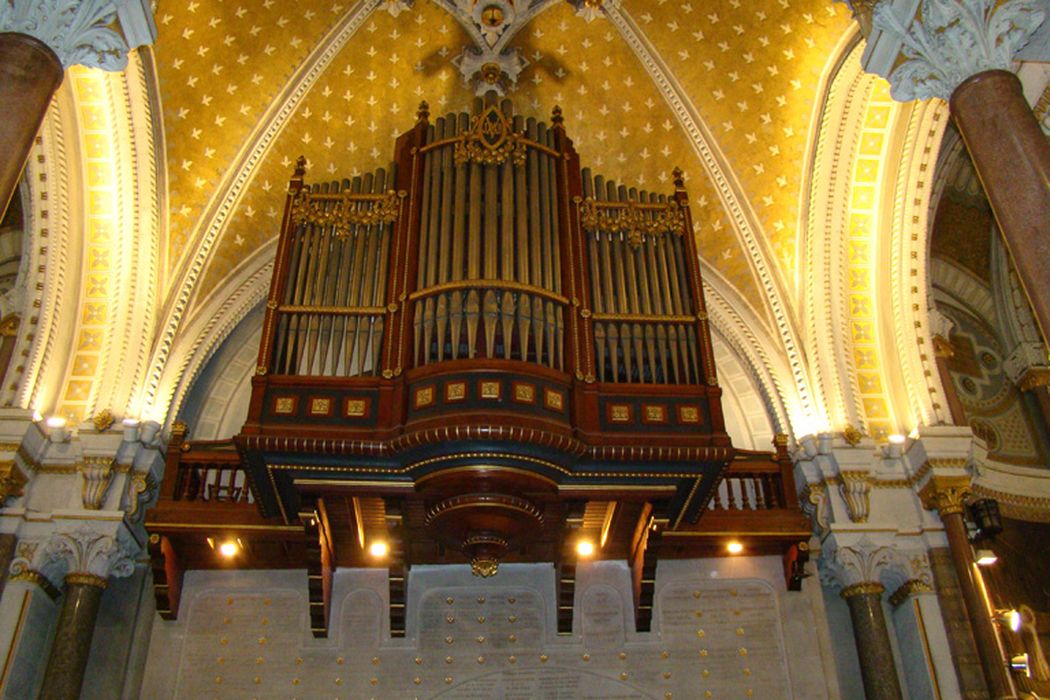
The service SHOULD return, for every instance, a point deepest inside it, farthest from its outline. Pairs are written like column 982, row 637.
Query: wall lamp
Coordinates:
column 985, row 516
column 1019, row 664
column 985, row 557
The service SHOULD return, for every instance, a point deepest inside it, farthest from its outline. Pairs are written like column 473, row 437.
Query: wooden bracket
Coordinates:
column 314, row 519
column 167, row 576
column 647, row 536
column 795, row 559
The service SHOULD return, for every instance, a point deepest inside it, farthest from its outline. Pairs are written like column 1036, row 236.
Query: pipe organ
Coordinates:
column 481, row 354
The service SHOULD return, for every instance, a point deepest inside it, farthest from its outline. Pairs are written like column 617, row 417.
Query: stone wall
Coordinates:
column 721, row 628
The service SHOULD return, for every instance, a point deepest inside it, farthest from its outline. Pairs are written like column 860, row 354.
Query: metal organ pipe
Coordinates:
column 488, row 192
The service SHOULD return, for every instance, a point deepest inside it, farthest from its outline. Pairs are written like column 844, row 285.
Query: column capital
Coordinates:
column 87, row 555
column 928, row 49
column 78, row 30
column 945, row 494
column 911, row 587
column 857, row 568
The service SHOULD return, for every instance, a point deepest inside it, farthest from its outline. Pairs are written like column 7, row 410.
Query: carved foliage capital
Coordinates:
column 951, row 40
column 76, row 30
column 848, row 566
column 87, row 551
column 946, row 495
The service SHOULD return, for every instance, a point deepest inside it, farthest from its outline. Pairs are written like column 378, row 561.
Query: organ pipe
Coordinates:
column 490, row 192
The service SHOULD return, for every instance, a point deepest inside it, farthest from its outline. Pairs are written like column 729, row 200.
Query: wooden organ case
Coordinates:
column 480, row 355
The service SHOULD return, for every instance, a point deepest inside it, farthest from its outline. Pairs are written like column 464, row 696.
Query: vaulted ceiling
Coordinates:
column 729, row 90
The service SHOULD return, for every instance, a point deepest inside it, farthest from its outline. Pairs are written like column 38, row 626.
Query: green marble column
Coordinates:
column 877, row 668
column 72, row 644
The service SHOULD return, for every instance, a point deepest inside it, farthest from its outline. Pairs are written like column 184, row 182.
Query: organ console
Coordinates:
column 479, row 355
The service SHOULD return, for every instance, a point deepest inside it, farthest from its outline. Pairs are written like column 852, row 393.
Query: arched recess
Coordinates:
column 95, row 231
column 865, row 306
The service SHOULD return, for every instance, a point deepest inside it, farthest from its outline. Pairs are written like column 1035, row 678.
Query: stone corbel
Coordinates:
column 814, row 501
column 12, row 480
column 855, row 488
column 97, row 475
column 141, row 490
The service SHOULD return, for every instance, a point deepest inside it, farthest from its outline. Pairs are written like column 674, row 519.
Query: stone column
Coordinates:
column 72, row 642
column 30, row 73
column 89, row 557
column 1012, row 158
column 35, row 49
column 946, row 495
column 856, row 568
column 873, row 641
column 964, row 55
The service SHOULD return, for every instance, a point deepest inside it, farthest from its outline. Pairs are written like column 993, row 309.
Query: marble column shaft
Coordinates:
column 1012, row 158
column 877, row 667
column 30, row 73
column 72, row 645
column 984, row 633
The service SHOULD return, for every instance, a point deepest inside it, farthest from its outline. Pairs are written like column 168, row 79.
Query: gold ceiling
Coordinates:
column 751, row 69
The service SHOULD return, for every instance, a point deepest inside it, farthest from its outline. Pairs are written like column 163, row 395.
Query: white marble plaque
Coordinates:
column 242, row 638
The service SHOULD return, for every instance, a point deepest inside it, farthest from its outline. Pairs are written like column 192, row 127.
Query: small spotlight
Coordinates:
column 585, row 548
column 1009, row 618
column 378, row 549
column 56, row 429
column 229, row 549
column 986, row 557
column 1019, row 664
column 37, row 416
column 895, row 446
column 734, row 548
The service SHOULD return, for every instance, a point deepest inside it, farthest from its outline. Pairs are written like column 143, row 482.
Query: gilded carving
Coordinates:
column 103, row 420
column 946, row 495
column 909, row 588
column 12, row 480
column 491, row 140
column 852, row 436
column 345, row 211
column 636, row 219
column 863, row 588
